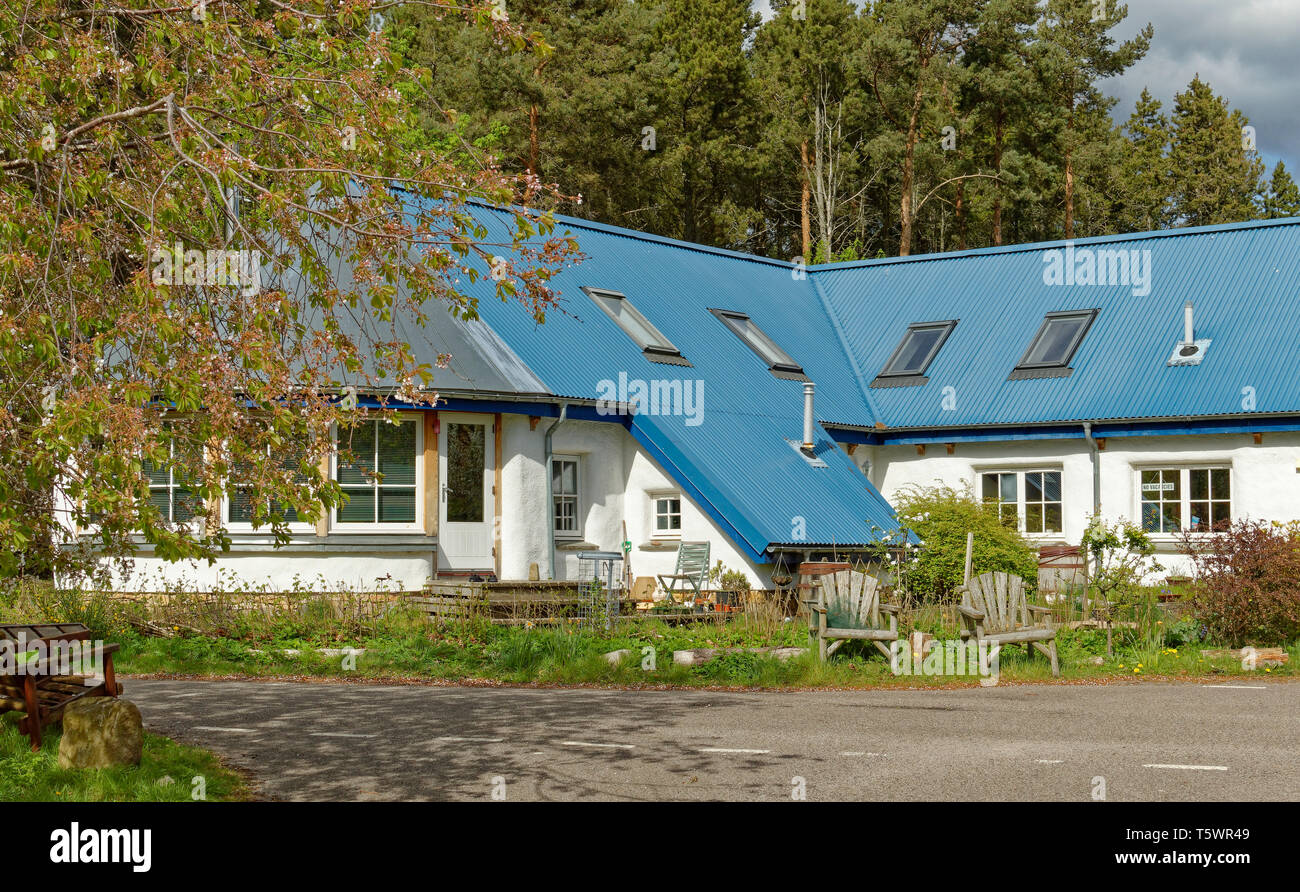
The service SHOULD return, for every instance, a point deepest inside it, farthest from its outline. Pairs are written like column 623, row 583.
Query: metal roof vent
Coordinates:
column 1189, row 350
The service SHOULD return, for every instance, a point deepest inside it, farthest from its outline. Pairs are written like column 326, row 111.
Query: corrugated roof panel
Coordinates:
column 1243, row 280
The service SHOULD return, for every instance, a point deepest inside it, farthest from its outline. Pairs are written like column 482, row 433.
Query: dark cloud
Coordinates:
column 1244, row 49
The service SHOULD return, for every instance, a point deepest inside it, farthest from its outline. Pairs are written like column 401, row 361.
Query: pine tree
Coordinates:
column 1218, row 171
column 1075, row 51
column 1145, row 178
column 1283, row 199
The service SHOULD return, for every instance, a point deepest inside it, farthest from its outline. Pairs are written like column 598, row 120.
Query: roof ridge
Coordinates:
column 1031, row 247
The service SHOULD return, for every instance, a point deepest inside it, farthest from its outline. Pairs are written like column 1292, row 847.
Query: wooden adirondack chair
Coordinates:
column 993, row 609
column 845, row 605
column 692, row 569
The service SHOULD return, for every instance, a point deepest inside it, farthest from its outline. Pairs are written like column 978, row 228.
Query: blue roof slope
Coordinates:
column 1243, row 280
column 734, row 458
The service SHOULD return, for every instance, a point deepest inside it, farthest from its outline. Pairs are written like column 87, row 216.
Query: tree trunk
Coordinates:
column 805, row 200
column 960, row 206
column 1069, row 195
column 997, row 184
column 909, row 168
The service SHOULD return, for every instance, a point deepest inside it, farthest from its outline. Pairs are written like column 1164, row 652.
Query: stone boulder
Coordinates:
column 101, row 732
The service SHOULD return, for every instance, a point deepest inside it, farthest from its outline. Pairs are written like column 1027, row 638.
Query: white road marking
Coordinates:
column 227, row 730
column 718, row 749
column 1049, row 761
column 1190, row 767
column 611, row 746
column 339, row 734
column 471, row 739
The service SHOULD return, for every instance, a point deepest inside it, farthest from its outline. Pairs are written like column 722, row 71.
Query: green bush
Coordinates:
column 941, row 516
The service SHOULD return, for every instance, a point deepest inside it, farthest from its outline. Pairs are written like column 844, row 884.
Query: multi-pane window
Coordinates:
column 380, row 477
column 564, row 495
column 668, row 514
column 240, row 506
column 1002, row 492
column 174, row 501
column 1195, row 500
column 1028, row 501
column 1042, row 501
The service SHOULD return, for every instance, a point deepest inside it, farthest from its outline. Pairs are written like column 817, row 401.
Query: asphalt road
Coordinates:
column 1150, row 742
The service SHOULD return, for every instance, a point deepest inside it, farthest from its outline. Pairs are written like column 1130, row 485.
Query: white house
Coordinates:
column 669, row 404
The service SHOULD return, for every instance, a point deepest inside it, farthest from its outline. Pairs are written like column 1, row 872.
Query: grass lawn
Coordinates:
column 476, row 650
column 36, row 777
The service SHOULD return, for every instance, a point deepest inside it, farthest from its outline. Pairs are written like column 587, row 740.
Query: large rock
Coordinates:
column 101, row 732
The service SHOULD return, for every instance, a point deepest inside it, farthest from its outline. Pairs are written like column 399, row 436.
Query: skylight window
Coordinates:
column 657, row 347
column 920, row 345
column 1053, row 348
column 779, row 363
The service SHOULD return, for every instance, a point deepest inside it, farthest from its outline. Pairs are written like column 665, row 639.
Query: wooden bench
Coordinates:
column 35, row 687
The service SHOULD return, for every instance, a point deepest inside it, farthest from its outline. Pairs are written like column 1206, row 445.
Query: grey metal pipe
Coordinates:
column 550, row 487
column 808, row 389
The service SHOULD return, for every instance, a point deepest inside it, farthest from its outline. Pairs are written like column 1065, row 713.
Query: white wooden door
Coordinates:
column 466, row 507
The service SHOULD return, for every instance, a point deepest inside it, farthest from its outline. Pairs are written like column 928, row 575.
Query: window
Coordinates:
column 920, row 344
column 668, row 514
column 381, row 483
column 239, row 505
column 1050, row 352
column 657, row 348
column 564, row 496
column 1195, row 500
column 1028, row 501
column 174, row 502
column 778, row 361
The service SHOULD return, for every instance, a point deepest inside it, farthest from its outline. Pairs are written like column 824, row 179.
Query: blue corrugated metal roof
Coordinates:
column 736, row 461
column 841, row 322
column 1243, row 279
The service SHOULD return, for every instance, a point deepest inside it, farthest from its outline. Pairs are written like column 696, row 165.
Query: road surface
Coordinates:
column 356, row 742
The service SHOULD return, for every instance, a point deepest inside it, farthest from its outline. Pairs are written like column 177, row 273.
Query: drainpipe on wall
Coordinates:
column 550, row 488
column 1096, row 489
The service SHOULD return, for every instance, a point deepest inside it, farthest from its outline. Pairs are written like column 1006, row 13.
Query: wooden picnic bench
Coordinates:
column 35, row 687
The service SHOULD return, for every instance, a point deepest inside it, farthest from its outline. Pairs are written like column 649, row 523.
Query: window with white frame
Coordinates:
column 1194, row 500
column 174, row 501
column 668, row 514
column 1028, row 501
column 240, row 509
column 380, row 478
column 565, row 496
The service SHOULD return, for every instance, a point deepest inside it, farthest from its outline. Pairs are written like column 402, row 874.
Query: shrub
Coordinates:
column 940, row 516
column 1247, row 588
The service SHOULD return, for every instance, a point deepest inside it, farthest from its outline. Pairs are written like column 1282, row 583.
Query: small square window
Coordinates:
column 668, row 515
column 910, row 360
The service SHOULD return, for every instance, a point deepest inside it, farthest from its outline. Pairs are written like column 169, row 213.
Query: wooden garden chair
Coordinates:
column 692, row 569
column 845, row 606
column 36, row 690
column 994, row 610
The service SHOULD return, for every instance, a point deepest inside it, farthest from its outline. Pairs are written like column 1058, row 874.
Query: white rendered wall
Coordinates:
column 1265, row 482
column 280, row 571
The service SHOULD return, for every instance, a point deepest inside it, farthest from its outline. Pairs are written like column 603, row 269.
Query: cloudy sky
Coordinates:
column 1245, row 49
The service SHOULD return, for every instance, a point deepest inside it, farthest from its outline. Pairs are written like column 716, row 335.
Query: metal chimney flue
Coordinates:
column 808, row 389
column 1189, row 330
